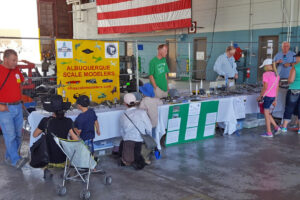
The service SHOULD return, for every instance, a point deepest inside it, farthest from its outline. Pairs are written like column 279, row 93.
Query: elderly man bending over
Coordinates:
column 225, row 65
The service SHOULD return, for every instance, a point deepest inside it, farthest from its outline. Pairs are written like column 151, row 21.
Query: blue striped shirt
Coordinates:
column 225, row 66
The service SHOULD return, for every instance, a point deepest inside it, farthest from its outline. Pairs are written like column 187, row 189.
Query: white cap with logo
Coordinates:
column 129, row 98
column 267, row 61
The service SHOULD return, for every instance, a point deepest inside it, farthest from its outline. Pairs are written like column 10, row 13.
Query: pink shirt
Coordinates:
column 270, row 78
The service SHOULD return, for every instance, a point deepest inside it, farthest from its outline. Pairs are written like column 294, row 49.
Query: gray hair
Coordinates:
column 229, row 48
column 9, row 52
column 285, row 42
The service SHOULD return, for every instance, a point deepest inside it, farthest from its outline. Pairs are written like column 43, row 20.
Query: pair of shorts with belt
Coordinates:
column 268, row 102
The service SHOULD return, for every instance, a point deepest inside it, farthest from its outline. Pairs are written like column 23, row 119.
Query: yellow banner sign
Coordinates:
column 88, row 67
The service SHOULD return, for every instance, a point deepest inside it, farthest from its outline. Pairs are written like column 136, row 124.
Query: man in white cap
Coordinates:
column 132, row 122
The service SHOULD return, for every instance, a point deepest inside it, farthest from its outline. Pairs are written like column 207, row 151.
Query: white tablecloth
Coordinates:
column 108, row 121
column 228, row 113
column 230, row 110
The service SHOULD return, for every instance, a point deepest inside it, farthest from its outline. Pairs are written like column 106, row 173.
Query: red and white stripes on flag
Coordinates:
column 132, row 16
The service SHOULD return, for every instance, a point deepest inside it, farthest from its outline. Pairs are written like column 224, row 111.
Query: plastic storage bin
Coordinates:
column 251, row 123
column 261, row 122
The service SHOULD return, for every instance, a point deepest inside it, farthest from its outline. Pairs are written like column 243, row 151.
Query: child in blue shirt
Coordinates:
column 86, row 122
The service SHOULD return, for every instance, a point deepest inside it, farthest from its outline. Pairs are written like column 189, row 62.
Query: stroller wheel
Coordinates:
column 61, row 190
column 107, row 180
column 85, row 194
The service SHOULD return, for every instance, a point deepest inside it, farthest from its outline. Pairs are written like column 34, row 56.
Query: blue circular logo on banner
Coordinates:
column 111, row 49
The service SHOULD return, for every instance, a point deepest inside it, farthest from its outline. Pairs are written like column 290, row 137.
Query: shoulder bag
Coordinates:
column 39, row 151
column 149, row 141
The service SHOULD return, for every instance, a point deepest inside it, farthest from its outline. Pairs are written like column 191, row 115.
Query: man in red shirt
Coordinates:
column 11, row 115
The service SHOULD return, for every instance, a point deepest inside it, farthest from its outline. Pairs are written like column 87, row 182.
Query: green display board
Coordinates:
column 191, row 122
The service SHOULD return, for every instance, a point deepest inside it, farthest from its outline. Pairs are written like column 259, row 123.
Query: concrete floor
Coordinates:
column 223, row 168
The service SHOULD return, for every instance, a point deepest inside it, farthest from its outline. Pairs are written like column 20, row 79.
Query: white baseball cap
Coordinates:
column 268, row 61
column 129, row 98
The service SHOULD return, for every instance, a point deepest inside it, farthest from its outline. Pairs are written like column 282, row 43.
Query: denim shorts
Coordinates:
column 268, row 102
column 90, row 144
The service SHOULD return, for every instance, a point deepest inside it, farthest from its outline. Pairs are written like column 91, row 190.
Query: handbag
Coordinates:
column 39, row 151
column 261, row 102
column 149, row 141
column 4, row 107
column 261, row 107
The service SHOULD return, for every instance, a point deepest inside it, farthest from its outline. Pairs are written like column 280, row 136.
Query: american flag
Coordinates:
column 132, row 16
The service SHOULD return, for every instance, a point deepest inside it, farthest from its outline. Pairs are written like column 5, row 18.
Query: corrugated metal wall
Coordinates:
column 55, row 20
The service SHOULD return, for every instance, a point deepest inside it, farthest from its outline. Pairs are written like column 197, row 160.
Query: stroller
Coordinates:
column 79, row 158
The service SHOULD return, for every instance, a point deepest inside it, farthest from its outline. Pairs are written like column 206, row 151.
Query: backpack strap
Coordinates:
column 47, row 125
column 5, row 80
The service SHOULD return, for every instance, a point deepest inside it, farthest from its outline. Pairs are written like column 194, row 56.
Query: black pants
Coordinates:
column 291, row 105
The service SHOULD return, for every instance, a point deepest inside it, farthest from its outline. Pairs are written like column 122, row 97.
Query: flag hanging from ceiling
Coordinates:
column 133, row 16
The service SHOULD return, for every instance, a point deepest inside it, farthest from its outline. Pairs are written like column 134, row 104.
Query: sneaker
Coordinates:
column 278, row 131
column 266, row 135
column 21, row 162
column 157, row 154
column 283, row 130
column 148, row 162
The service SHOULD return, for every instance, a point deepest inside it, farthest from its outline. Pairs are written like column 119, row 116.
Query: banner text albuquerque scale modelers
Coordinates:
column 82, row 71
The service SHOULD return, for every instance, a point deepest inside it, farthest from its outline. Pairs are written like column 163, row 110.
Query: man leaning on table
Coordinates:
column 158, row 72
column 11, row 114
column 225, row 65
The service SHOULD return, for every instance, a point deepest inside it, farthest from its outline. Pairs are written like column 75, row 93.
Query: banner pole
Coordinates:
column 190, row 80
column 137, row 66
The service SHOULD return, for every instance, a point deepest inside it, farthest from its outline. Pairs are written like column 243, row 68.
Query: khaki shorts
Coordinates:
column 146, row 153
column 160, row 93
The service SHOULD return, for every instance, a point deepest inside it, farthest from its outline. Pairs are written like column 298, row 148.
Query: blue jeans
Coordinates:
column 154, row 132
column 291, row 105
column 90, row 144
column 11, row 123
